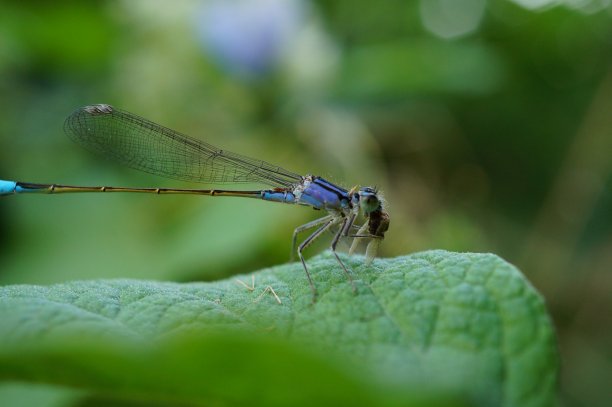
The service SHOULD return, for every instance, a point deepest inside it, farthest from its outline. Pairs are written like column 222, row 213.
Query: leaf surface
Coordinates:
column 436, row 327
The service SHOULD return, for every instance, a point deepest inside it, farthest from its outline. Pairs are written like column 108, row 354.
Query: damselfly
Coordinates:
column 141, row 144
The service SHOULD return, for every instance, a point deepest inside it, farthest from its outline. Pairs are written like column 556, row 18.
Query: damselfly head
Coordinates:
column 368, row 200
column 372, row 232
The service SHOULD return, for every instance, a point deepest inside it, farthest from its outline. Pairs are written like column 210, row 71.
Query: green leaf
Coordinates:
column 432, row 328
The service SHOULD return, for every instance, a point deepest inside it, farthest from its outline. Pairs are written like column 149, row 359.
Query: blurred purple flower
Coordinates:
column 248, row 37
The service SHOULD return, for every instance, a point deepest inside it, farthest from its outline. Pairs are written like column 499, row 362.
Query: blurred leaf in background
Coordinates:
column 485, row 122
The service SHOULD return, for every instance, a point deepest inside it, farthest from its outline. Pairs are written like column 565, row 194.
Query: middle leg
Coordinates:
column 317, row 233
column 346, row 225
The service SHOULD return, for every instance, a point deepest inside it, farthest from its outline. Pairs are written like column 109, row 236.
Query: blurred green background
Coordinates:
column 487, row 124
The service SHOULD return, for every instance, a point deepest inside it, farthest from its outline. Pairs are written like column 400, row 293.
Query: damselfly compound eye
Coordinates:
column 369, row 199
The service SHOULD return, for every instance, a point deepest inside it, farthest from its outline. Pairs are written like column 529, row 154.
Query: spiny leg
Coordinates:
column 343, row 231
column 349, row 224
column 304, row 227
column 317, row 233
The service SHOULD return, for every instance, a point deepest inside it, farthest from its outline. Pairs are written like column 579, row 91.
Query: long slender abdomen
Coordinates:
column 7, row 187
column 13, row 187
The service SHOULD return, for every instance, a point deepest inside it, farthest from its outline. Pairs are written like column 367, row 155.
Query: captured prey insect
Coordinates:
column 141, row 144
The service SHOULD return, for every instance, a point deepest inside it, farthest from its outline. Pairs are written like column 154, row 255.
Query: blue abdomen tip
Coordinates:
column 7, row 187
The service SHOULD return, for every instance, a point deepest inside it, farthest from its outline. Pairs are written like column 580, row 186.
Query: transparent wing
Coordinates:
column 146, row 146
